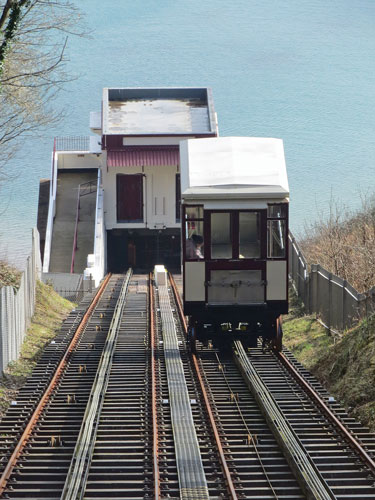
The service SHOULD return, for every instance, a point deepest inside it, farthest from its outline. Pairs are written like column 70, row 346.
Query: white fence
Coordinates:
column 96, row 261
column 17, row 307
column 335, row 302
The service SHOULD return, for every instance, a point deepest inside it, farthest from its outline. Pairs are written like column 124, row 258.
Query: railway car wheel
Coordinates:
column 278, row 341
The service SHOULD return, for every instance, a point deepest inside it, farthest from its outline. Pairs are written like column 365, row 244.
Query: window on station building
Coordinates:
column 276, row 231
column 221, row 241
column 194, row 233
column 129, row 197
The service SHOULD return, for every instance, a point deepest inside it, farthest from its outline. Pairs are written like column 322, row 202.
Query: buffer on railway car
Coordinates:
column 235, row 198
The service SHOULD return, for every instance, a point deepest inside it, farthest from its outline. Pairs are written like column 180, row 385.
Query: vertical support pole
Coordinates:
column 344, row 306
column 329, row 302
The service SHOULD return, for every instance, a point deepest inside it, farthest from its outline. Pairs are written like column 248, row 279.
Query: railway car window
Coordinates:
column 277, row 211
column 249, row 229
column 194, row 244
column 221, row 243
column 194, row 212
column 276, row 238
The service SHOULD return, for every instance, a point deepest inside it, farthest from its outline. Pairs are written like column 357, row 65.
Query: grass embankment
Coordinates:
column 50, row 311
column 345, row 366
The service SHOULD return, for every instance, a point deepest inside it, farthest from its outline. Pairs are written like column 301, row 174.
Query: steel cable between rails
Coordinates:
column 250, row 434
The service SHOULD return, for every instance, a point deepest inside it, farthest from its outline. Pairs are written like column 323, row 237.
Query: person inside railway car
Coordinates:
column 194, row 247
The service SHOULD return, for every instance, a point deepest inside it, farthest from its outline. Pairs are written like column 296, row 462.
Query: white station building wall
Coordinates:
column 159, row 197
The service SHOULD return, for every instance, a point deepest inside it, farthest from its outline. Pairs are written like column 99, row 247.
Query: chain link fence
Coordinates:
column 17, row 306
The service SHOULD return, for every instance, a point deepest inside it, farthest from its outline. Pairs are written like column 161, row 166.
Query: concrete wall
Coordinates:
column 159, row 197
column 79, row 160
column 17, row 307
column 96, row 263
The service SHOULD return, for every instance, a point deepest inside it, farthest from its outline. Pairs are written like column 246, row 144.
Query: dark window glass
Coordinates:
column 277, row 211
column 276, row 238
column 193, row 212
column 221, row 243
column 249, row 236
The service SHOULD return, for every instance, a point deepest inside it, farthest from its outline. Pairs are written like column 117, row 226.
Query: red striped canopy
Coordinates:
column 143, row 156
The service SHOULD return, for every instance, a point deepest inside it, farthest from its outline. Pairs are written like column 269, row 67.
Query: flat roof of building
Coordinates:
column 233, row 166
column 158, row 111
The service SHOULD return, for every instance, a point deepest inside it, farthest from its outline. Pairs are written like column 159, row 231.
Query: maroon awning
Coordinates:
column 143, row 156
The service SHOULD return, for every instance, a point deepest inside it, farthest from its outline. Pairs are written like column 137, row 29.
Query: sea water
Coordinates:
column 301, row 70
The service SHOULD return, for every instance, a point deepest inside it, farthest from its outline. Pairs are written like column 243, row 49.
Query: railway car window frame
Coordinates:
column 178, row 197
column 257, row 242
column 221, row 249
column 235, row 234
column 194, row 225
column 277, row 218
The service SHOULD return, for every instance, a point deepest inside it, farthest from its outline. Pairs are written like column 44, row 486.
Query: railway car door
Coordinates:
column 235, row 257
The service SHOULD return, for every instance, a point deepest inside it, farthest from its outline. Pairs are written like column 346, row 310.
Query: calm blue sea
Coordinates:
column 302, row 70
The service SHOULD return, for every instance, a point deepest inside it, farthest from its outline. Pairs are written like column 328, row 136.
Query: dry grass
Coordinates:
column 9, row 275
column 51, row 310
column 344, row 244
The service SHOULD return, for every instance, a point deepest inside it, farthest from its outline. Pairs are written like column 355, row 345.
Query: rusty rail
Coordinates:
column 153, row 393
column 51, row 387
column 226, row 472
column 354, row 444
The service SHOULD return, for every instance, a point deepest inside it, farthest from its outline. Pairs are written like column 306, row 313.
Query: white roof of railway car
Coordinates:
column 233, row 167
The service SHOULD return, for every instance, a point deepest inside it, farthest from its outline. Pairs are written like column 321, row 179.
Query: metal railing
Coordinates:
column 83, row 189
column 72, row 143
column 336, row 303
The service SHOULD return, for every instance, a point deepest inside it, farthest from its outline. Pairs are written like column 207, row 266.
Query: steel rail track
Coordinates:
column 312, row 482
column 45, row 458
column 76, row 479
column 154, row 394
column 51, row 387
column 353, row 442
column 348, row 475
column 256, row 464
column 169, row 482
column 343, row 470
column 122, row 464
column 197, row 368
column 133, row 448
column 191, row 475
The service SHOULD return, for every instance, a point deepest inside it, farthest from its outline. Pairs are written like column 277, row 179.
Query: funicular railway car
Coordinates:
column 235, row 197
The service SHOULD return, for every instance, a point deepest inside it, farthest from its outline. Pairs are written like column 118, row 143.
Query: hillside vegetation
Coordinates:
column 9, row 275
column 344, row 244
column 345, row 367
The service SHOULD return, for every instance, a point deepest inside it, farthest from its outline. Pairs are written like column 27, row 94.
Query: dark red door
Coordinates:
column 129, row 198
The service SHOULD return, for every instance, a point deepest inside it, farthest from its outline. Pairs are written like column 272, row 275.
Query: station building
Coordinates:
column 114, row 197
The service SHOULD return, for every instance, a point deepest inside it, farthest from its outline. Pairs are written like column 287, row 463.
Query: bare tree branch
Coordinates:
column 33, row 42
